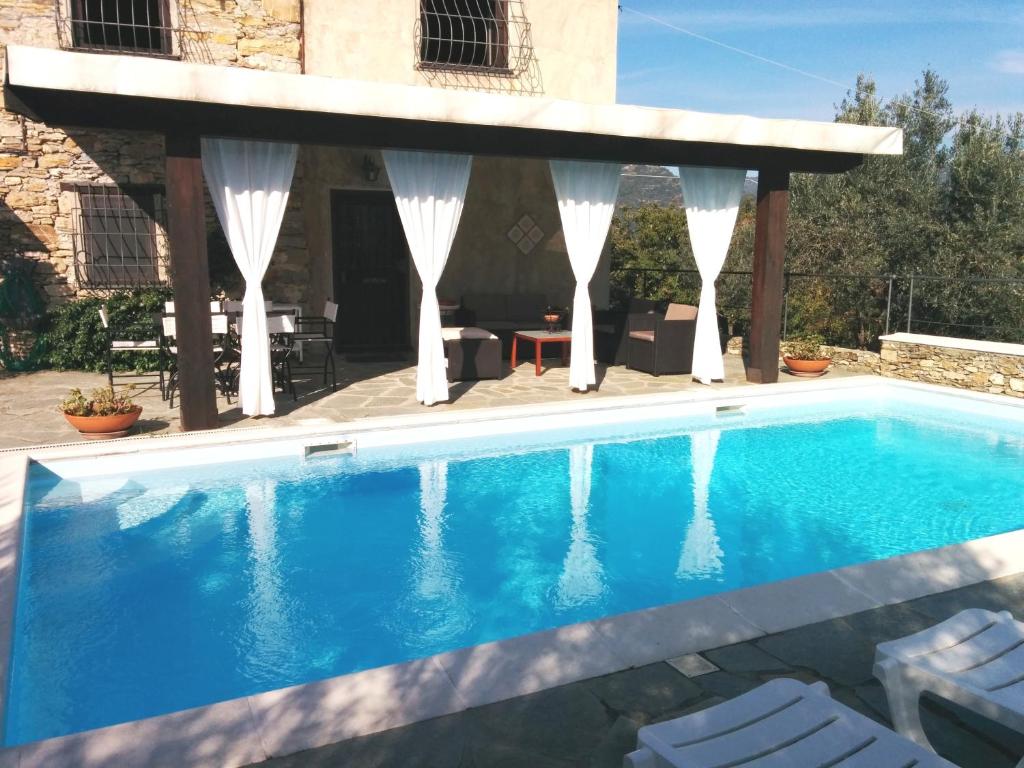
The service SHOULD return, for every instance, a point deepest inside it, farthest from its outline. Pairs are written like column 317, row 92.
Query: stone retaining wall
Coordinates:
column 860, row 360
column 996, row 369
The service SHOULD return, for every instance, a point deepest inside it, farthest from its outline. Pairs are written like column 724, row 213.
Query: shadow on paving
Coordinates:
column 593, row 723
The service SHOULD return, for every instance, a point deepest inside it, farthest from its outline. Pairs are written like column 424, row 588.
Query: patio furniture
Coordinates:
column 611, row 329
column 538, row 339
column 151, row 346
column 974, row 659
column 281, row 329
column 215, row 307
column 659, row 344
column 225, row 356
column 233, row 307
column 782, row 724
column 448, row 309
column 318, row 331
column 473, row 354
column 501, row 313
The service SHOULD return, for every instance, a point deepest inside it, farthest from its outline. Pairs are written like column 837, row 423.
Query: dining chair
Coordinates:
column 225, row 356
column 151, row 346
column 281, row 329
column 319, row 332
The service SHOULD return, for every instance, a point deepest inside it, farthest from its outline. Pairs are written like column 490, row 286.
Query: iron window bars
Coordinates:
column 117, row 236
column 165, row 28
column 484, row 36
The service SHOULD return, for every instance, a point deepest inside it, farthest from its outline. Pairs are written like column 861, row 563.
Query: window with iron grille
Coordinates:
column 139, row 26
column 118, row 236
column 470, row 34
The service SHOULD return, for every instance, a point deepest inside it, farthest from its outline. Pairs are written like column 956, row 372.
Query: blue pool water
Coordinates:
column 144, row 594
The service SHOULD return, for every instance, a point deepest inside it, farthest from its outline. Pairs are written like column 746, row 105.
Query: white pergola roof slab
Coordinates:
column 155, row 80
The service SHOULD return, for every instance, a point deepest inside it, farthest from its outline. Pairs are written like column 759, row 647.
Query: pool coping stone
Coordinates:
column 241, row 731
column 13, row 483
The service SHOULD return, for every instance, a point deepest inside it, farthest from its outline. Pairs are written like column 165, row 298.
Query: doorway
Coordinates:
column 371, row 272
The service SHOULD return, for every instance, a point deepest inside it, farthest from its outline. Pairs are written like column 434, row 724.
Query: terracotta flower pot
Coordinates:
column 103, row 427
column 806, row 367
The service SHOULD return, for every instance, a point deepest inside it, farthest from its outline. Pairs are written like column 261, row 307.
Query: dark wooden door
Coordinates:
column 371, row 272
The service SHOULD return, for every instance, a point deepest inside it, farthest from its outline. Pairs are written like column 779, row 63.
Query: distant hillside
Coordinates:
column 656, row 185
column 638, row 188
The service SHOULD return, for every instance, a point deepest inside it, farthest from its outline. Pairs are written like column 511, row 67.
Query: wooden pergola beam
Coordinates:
column 769, row 259
column 190, row 279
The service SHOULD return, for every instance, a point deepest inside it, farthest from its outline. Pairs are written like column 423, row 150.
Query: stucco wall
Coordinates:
column 483, row 259
column 574, row 42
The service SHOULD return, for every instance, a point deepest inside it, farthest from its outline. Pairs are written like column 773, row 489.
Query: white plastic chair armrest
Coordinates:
column 641, row 758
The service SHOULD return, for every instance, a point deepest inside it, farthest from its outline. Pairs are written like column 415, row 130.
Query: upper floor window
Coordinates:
column 129, row 26
column 464, row 34
column 118, row 235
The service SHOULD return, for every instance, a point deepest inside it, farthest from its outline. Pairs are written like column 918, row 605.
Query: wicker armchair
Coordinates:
column 659, row 344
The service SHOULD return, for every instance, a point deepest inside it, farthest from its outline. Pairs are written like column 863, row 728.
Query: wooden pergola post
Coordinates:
column 769, row 261
column 190, row 279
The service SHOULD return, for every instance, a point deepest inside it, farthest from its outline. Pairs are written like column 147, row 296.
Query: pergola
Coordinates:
column 186, row 102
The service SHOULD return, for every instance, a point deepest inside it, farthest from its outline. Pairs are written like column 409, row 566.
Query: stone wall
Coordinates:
column 37, row 159
column 993, row 368
column 857, row 360
column 861, row 360
column 258, row 34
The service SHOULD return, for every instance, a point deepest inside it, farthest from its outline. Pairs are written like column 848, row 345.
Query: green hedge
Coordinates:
column 74, row 338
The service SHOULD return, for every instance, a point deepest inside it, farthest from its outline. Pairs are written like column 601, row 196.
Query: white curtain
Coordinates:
column 430, row 190
column 582, row 577
column 701, row 555
column 712, row 199
column 586, row 201
column 249, row 183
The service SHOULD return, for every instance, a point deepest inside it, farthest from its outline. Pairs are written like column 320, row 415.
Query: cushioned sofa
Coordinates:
column 503, row 314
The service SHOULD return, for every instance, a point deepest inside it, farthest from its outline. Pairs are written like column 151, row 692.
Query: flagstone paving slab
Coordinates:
column 29, row 416
column 593, row 723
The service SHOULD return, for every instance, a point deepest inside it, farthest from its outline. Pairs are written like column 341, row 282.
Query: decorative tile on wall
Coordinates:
column 525, row 234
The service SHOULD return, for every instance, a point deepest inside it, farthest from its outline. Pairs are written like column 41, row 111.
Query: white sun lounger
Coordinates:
column 974, row 659
column 781, row 724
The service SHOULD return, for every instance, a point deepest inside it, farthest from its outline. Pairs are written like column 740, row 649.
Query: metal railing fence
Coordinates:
column 850, row 309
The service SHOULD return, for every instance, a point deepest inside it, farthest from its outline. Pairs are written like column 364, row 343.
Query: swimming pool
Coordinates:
column 152, row 591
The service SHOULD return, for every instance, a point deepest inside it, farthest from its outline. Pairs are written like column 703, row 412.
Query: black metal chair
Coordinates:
column 660, row 344
column 225, row 356
column 281, row 329
column 151, row 346
column 318, row 332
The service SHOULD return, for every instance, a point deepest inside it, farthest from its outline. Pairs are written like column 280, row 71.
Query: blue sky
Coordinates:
column 977, row 46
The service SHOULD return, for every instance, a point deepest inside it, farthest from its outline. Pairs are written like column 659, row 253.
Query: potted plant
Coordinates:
column 803, row 356
column 553, row 316
column 104, row 414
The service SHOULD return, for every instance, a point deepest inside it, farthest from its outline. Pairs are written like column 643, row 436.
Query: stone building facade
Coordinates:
column 42, row 166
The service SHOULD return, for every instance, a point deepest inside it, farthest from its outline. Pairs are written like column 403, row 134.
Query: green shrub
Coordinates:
column 75, row 338
column 806, row 347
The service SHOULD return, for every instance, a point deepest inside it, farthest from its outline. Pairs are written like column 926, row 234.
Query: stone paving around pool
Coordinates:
column 593, row 723
column 29, row 416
